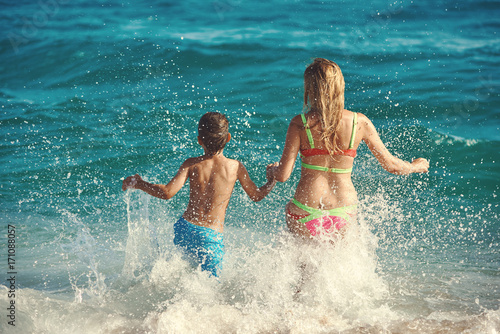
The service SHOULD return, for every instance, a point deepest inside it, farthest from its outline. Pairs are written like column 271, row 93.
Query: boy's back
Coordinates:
column 212, row 180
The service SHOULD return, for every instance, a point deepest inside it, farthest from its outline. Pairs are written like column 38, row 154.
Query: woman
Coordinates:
column 327, row 137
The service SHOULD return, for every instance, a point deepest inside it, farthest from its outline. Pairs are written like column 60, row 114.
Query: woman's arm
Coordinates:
column 159, row 190
column 290, row 151
column 389, row 162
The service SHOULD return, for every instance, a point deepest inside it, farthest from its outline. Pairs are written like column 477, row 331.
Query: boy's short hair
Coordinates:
column 212, row 130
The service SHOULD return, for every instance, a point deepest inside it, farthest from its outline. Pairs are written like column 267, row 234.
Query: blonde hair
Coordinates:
column 324, row 93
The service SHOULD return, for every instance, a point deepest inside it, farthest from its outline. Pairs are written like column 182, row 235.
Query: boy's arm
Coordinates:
column 255, row 194
column 159, row 190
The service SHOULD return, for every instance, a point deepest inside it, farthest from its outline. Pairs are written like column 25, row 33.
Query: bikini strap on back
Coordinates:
column 327, row 169
column 308, row 131
column 353, row 133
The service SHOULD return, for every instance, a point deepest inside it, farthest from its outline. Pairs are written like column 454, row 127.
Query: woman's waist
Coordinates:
column 297, row 205
column 331, row 176
column 326, row 186
column 317, row 199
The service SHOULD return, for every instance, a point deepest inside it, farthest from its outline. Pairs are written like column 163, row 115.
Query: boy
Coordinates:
column 212, row 178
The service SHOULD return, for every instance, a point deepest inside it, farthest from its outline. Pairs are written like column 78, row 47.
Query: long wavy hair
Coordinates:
column 324, row 93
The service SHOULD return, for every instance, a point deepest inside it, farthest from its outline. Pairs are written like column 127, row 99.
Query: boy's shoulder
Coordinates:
column 231, row 162
column 224, row 160
column 193, row 160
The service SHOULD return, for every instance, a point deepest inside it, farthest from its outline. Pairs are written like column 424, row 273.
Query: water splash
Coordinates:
column 142, row 243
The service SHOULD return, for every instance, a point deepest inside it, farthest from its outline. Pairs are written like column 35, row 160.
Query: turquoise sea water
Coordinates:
column 91, row 92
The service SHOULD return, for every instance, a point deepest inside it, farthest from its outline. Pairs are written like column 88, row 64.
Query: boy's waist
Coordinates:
column 203, row 225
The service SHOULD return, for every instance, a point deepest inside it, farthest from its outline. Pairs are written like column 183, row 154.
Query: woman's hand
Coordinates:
column 130, row 182
column 420, row 165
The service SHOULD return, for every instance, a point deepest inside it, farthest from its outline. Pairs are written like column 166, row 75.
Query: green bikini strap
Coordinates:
column 326, row 169
column 353, row 133
column 318, row 213
column 308, row 131
column 310, row 137
column 313, row 213
column 302, row 206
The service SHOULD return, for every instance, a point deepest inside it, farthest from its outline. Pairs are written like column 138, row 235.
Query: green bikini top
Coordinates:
column 315, row 151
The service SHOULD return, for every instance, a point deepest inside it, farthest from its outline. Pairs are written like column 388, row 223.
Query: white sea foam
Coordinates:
column 270, row 282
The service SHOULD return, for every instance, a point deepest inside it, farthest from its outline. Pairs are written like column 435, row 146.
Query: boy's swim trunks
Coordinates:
column 203, row 244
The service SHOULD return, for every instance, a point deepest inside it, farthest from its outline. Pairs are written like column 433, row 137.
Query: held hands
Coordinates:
column 131, row 182
column 420, row 165
column 271, row 172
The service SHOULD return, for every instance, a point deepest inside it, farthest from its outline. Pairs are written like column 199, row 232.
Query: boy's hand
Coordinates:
column 130, row 182
column 271, row 171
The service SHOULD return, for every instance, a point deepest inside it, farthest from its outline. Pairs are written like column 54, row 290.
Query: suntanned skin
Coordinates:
column 326, row 190
column 211, row 183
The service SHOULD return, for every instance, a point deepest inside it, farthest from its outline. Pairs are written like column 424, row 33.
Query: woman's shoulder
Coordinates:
column 365, row 125
column 361, row 118
column 296, row 121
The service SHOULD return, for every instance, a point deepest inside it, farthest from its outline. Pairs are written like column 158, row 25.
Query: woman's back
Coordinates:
column 325, row 179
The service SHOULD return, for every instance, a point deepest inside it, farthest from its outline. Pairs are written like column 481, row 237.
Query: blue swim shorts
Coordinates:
column 202, row 244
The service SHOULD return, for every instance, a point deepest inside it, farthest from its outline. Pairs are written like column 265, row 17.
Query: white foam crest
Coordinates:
column 258, row 284
column 256, row 292
column 259, row 281
column 448, row 138
column 84, row 246
column 45, row 313
column 42, row 313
